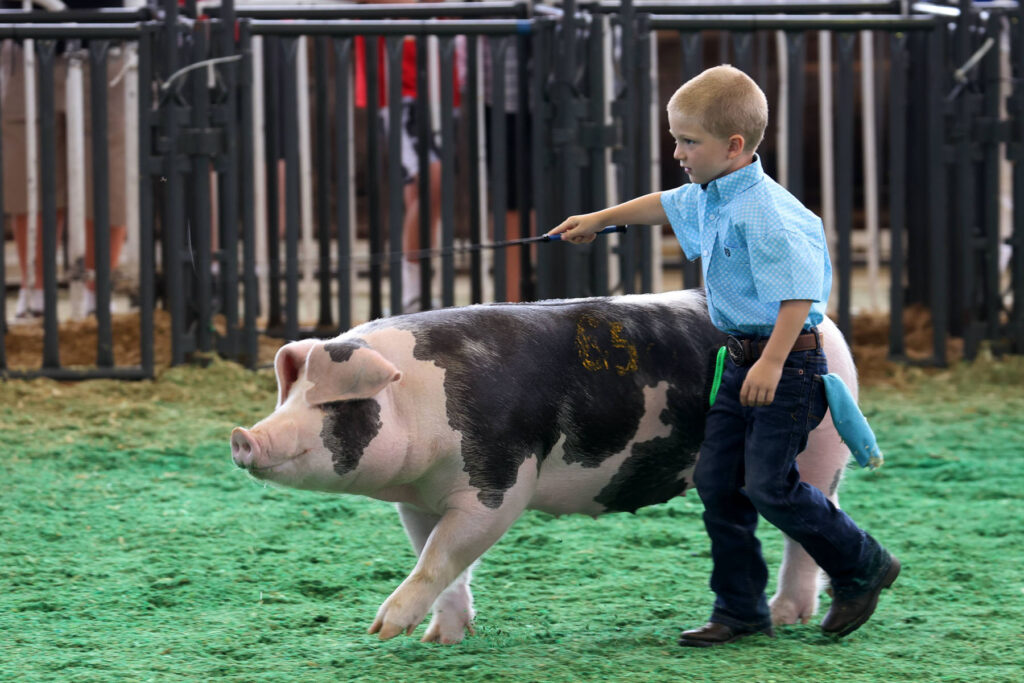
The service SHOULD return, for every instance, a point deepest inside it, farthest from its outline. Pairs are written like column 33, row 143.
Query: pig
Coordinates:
column 466, row 417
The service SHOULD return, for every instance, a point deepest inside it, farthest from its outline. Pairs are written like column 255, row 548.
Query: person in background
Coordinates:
column 29, row 306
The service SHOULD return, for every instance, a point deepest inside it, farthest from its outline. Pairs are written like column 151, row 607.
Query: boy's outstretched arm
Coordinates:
column 763, row 378
column 646, row 210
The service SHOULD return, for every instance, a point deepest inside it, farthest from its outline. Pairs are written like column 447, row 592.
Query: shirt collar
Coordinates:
column 722, row 190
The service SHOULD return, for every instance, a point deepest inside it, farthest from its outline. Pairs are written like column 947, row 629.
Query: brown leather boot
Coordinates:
column 711, row 634
column 847, row 615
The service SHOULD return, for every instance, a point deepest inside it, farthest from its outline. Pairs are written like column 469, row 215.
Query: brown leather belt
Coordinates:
column 745, row 352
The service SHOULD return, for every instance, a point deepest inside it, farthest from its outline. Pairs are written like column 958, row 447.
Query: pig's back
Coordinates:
column 582, row 385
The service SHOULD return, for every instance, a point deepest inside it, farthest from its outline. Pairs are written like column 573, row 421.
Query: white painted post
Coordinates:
column 782, row 118
column 259, row 154
column 654, row 234
column 869, row 141
column 611, row 175
column 31, row 161
column 827, row 142
column 75, row 217
column 130, row 251
column 309, row 256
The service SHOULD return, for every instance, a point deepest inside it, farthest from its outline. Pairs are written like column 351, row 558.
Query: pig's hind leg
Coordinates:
column 453, row 609
column 800, row 580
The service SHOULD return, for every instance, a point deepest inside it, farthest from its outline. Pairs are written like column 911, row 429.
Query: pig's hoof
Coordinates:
column 786, row 611
column 448, row 629
column 388, row 629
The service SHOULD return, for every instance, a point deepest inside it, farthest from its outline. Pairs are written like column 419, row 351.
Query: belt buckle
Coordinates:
column 734, row 347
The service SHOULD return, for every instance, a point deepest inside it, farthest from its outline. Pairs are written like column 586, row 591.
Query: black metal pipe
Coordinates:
column 147, row 255
column 292, row 215
column 899, row 62
column 938, row 251
column 394, row 46
column 433, row 27
column 844, row 175
column 101, row 200
column 343, row 175
column 227, row 185
column 71, row 31
column 447, row 50
column 45, row 54
column 473, row 94
column 821, row 22
column 691, row 45
column 498, row 184
column 423, row 177
column 247, row 171
column 272, row 98
column 199, row 225
column 373, row 185
column 467, row 10
column 323, row 182
column 746, row 7
column 796, row 53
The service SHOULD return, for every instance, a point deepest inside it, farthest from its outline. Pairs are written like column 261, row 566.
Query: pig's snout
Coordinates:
column 245, row 450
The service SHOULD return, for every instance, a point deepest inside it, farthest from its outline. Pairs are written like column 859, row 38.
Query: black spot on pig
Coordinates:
column 834, row 486
column 519, row 376
column 342, row 351
column 349, row 427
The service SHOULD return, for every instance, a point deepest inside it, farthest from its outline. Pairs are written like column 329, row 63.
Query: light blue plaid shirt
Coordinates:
column 760, row 246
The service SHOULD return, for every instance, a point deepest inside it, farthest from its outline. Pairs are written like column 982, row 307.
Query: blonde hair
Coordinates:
column 725, row 102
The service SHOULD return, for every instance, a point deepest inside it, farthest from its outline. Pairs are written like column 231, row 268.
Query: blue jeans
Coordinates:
column 747, row 466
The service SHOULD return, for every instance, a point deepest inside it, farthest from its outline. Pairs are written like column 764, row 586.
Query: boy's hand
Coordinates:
column 579, row 229
column 762, row 380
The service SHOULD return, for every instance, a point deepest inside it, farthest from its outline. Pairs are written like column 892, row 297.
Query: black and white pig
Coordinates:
column 465, row 417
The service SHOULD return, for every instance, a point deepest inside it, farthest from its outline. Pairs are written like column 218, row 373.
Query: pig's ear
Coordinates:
column 363, row 373
column 288, row 364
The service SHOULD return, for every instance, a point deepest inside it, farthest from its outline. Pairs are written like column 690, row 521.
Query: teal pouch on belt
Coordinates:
column 851, row 424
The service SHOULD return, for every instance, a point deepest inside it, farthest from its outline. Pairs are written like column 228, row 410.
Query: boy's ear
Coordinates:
column 736, row 144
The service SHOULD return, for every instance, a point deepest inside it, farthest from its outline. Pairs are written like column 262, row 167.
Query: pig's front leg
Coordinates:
column 453, row 610
column 466, row 530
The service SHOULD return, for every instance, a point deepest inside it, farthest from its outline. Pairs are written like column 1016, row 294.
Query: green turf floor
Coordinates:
column 132, row 549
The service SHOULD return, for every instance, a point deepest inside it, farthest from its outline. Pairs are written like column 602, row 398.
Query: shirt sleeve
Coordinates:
column 680, row 206
column 787, row 263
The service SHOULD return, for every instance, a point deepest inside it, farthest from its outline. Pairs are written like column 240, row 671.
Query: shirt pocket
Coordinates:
column 734, row 252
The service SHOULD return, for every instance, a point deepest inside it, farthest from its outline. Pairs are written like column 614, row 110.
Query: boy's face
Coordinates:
column 703, row 156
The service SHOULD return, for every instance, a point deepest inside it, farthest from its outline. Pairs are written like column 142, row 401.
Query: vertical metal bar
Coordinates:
column 343, row 175
column 147, row 255
column 396, row 201
column 373, row 185
column 228, row 186
column 199, row 227
column 630, row 111
column 524, row 202
column 796, row 51
column 991, row 183
column 101, row 200
column 45, row 53
column 323, row 182
column 272, row 71
column 692, row 48
column 963, row 200
column 846, row 43
column 291, row 187
column 566, row 143
column 424, row 135
column 447, row 49
column 499, row 187
column 173, row 197
column 475, row 200
column 3, row 269
column 936, row 182
column 898, row 59
column 248, row 182
column 541, row 149
column 649, row 238
column 1016, row 112
column 597, row 165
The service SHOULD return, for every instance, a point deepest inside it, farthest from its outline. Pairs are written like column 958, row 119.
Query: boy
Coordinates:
column 767, row 277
